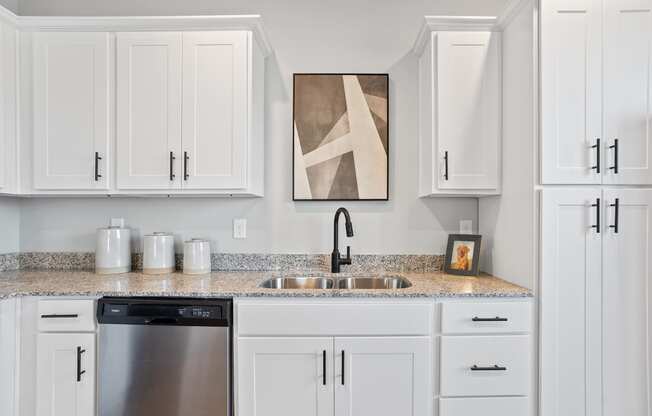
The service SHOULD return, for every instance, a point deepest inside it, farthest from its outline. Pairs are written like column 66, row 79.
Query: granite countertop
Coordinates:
column 239, row 284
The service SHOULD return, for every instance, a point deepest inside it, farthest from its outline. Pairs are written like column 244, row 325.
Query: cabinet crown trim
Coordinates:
column 250, row 22
column 452, row 23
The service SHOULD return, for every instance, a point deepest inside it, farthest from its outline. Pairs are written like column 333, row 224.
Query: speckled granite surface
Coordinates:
column 9, row 262
column 237, row 284
column 243, row 262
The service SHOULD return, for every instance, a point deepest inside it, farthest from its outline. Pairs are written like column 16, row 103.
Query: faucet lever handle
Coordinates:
column 348, row 252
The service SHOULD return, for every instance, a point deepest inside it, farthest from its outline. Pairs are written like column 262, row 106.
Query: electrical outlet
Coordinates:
column 466, row 226
column 240, row 228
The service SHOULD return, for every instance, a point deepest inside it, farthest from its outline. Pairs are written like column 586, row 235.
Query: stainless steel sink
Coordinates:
column 339, row 283
column 298, row 283
column 373, row 283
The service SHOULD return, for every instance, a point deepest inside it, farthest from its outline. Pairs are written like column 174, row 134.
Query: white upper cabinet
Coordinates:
column 460, row 114
column 215, row 100
column 149, row 110
column 628, row 91
column 3, row 95
column 595, row 92
column 71, row 111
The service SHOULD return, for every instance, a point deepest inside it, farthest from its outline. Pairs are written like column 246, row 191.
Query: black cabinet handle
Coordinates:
column 324, row 367
column 615, row 148
column 97, row 166
column 79, row 370
column 342, row 367
column 51, row 316
column 172, row 159
column 186, row 158
column 446, row 165
column 616, row 206
column 597, row 215
column 596, row 146
column 496, row 319
column 492, row 368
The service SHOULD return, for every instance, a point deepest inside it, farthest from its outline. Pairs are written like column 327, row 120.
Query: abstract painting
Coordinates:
column 341, row 143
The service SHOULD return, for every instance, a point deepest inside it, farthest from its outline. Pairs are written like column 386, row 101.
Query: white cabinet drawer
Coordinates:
column 55, row 315
column 486, row 318
column 485, row 406
column 485, row 366
column 333, row 318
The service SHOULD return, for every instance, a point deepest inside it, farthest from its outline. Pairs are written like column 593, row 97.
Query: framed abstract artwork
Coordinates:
column 341, row 137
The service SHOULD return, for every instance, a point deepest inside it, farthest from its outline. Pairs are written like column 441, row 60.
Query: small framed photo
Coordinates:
column 463, row 254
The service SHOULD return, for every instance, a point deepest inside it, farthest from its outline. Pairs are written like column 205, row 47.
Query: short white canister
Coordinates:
column 158, row 253
column 196, row 256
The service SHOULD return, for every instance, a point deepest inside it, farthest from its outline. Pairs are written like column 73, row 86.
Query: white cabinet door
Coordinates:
column 383, row 376
column 4, row 92
column 468, row 109
column 571, row 298
column 71, row 111
column 627, row 290
column 628, row 91
column 215, row 109
column 285, row 376
column 65, row 372
column 149, row 110
column 571, row 90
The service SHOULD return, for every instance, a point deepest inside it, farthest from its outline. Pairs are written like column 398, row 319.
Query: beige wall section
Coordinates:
column 308, row 36
column 509, row 222
column 10, row 4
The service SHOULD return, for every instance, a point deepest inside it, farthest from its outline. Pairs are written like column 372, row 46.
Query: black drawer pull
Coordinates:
column 616, row 207
column 596, row 146
column 51, row 316
column 172, row 159
column 343, row 367
column 496, row 319
column 324, row 367
column 446, row 165
column 492, row 368
column 597, row 215
column 97, row 167
column 79, row 370
column 615, row 149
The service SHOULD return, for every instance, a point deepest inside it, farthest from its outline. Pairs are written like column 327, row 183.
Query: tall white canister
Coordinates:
column 113, row 248
column 158, row 253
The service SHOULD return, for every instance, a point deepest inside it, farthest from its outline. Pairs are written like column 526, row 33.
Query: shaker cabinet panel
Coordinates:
column 571, row 297
column 149, row 110
column 215, row 108
column 71, row 111
column 383, row 376
column 627, row 290
column 628, row 92
column 285, row 376
column 468, row 109
column 571, row 93
column 65, row 373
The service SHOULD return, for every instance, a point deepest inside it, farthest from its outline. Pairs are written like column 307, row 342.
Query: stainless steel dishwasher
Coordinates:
column 164, row 357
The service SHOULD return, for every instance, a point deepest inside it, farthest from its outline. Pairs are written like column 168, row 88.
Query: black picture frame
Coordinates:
column 294, row 79
column 474, row 269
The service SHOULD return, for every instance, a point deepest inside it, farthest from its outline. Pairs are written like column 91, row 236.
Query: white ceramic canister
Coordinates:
column 158, row 253
column 113, row 249
column 197, row 256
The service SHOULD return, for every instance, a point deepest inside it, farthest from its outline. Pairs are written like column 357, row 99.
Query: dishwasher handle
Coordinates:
column 162, row 321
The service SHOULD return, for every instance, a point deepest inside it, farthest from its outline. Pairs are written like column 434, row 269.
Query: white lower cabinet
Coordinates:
column 333, row 376
column 285, row 376
column 595, row 302
column 65, row 372
column 485, row 406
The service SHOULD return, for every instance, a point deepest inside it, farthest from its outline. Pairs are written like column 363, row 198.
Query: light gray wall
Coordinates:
column 308, row 36
column 10, row 4
column 9, row 225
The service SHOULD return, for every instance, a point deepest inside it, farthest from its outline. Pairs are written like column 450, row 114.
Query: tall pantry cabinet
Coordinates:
column 596, row 240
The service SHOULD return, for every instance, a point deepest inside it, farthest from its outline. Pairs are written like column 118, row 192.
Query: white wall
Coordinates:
column 308, row 36
column 9, row 225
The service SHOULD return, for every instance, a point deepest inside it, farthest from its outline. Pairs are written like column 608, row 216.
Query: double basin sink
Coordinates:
column 336, row 283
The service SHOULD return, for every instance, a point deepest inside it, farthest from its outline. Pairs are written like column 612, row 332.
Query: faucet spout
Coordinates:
column 336, row 259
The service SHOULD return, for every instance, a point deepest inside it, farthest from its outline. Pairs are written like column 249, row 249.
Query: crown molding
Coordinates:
column 251, row 22
column 452, row 23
